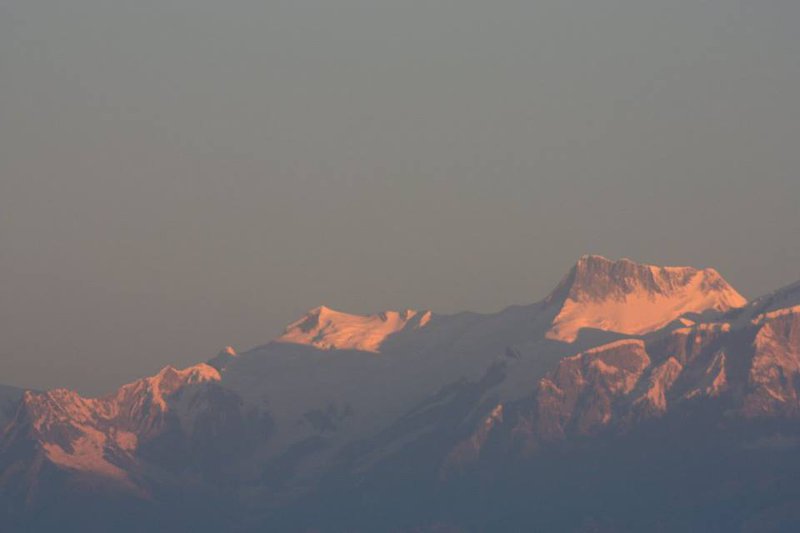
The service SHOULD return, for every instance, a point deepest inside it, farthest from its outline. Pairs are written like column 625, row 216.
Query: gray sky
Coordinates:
column 179, row 175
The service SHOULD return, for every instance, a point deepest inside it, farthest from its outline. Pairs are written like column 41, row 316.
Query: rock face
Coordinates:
column 413, row 405
column 748, row 370
column 99, row 437
column 579, row 395
column 634, row 299
column 773, row 377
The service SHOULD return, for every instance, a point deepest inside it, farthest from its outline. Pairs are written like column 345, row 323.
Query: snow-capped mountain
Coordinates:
column 327, row 329
column 635, row 299
column 751, row 370
column 98, row 437
column 341, row 401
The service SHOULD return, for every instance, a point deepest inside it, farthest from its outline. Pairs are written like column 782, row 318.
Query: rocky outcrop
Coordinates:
column 745, row 371
column 99, row 437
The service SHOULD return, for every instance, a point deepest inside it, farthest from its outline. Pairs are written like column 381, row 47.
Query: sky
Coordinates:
column 181, row 175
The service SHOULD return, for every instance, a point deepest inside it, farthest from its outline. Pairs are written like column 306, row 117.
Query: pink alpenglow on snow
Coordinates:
column 80, row 434
column 634, row 299
column 327, row 329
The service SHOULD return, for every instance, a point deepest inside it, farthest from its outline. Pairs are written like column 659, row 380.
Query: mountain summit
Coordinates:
column 327, row 329
column 632, row 298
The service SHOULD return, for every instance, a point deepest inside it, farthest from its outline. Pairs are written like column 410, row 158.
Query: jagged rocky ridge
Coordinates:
column 342, row 401
column 748, row 369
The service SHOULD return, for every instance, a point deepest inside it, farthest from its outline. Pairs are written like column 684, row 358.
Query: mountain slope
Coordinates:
column 96, row 437
column 327, row 329
column 634, row 299
column 9, row 397
column 397, row 400
column 744, row 370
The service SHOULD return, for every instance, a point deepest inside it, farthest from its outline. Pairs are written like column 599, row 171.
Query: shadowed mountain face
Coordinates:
column 546, row 416
column 9, row 398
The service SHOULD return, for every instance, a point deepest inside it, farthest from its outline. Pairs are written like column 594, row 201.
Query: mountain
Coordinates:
column 750, row 370
column 94, row 438
column 634, row 299
column 327, row 329
column 417, row 421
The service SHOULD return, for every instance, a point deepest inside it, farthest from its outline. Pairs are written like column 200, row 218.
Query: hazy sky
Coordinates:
column 178, row 175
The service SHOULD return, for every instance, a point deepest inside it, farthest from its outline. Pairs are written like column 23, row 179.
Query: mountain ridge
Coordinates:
column 328, row 329
column 349, row 395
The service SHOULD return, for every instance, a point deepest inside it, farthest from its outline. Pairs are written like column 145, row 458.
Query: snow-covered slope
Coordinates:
column 630, row 298
column 100, row 437
column 327, row 329
column 340, row 378
column 336, row 378
column 339, row 388
column 744, row 369
column 783, row 298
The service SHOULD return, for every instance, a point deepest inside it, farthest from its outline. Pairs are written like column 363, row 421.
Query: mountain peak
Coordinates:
column 221, row 360
column 228, row 350
column 634, row 298
column 327, row 329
